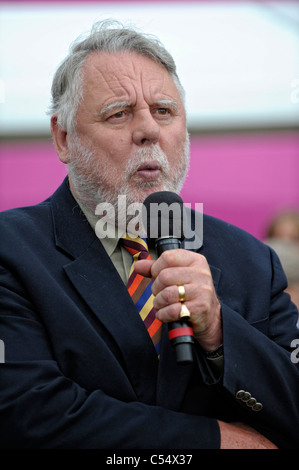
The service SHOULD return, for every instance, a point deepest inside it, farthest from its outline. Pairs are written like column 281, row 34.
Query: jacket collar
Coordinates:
column 72, row 231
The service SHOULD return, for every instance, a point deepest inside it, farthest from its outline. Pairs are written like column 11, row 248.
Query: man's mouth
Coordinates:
column 149, row 171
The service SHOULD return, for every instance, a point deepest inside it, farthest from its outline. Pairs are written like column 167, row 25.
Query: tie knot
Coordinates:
column 135, row 245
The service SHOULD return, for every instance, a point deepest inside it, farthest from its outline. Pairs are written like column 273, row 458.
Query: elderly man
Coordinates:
column 83, row 368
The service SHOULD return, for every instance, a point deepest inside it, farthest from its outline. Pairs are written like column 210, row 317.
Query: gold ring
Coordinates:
column 182, row 293
column 184, row 313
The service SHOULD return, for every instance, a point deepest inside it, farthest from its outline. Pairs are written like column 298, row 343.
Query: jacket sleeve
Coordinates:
column 260, row 370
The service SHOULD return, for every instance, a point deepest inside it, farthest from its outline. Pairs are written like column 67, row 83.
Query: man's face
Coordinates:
column 131, row 133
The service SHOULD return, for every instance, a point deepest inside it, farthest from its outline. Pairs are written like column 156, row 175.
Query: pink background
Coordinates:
column 243, row 178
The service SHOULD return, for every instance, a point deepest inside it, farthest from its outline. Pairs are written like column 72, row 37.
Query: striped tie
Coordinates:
column 139, row 288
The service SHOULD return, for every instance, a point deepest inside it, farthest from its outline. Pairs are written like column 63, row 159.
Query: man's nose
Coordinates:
column 145, row 128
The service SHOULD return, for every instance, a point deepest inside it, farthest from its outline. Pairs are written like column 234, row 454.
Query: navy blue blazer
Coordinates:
column 80, row 369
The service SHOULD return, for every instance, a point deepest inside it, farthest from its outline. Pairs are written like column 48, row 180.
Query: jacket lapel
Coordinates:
column 94, row 276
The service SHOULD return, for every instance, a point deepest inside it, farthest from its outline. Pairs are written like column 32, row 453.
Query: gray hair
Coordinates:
column 106, row 36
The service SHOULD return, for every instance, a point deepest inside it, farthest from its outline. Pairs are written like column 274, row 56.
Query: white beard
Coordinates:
column 92, row 184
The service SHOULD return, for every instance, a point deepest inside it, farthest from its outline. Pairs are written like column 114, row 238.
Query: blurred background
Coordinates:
column 238, row 62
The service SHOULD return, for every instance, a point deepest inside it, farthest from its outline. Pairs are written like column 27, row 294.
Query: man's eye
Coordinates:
column 120, row 114
column 163, row 111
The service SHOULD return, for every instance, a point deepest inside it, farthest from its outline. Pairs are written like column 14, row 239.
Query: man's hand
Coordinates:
column 241, row 436
column 182, row 267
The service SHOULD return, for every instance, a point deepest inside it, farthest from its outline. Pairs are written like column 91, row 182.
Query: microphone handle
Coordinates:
column 180, row 332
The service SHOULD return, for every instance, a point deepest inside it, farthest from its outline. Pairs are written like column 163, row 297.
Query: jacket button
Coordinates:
column 240, row 394
column 257, row 407
column 246, row 397
column 251, row 402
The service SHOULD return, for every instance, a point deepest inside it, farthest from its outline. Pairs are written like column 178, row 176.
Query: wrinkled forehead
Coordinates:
column 125, row 72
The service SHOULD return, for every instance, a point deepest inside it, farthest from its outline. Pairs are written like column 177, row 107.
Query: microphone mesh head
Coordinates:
column 164, row 216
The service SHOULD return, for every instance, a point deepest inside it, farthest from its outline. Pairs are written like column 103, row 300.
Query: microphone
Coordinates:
column 164, row 216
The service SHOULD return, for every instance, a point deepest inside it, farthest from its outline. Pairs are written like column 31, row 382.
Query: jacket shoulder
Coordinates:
column 16, row 218
column 28, row 217
column 217, row 229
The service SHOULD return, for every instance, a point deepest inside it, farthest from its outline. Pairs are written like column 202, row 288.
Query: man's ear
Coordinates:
column 60, row 140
